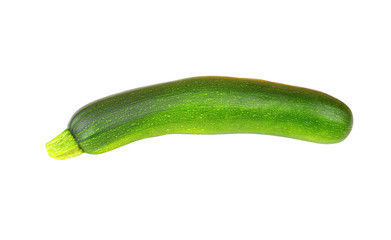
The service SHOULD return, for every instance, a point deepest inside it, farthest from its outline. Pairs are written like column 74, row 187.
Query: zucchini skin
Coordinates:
column 210, row 105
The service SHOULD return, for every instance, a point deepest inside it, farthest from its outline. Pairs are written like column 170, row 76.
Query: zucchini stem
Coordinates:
column 63, row 146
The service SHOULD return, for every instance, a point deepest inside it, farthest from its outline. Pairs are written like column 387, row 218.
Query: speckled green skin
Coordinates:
column 210, row 105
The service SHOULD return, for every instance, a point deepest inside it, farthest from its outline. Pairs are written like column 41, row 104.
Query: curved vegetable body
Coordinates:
column 210, row 105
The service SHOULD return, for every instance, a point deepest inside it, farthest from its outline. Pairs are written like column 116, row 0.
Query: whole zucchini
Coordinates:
column 203, row 105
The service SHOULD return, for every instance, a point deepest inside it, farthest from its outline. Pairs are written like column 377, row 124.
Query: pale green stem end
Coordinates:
column 63, row 146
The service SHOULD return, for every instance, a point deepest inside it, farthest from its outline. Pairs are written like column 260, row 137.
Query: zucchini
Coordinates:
column 203, row 105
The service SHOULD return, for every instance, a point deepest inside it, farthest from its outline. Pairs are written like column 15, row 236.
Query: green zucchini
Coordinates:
column 203, row 105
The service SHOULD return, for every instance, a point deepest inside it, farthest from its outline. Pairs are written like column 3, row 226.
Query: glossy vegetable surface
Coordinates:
column 204, row 105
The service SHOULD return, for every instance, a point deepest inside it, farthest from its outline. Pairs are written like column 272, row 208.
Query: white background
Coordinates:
column 56, row 56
